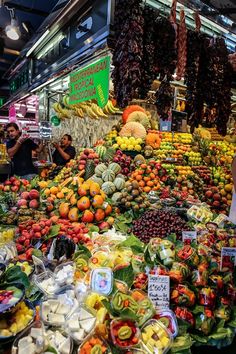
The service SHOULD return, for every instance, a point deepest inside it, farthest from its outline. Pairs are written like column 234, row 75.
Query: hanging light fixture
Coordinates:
column 13, row 31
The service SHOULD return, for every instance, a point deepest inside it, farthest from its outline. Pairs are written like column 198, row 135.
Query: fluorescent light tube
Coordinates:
column 44, row 35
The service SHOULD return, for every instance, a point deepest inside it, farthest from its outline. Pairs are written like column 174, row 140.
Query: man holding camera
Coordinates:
column 19, row 148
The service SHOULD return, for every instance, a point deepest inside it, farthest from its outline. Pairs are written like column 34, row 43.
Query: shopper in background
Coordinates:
column 232, row 214
column 19, row 148
column 232, row 60
column 64, row 151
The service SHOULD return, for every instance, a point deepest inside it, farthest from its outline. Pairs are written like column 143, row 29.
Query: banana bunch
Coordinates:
column 110, row 109
column 62, row 112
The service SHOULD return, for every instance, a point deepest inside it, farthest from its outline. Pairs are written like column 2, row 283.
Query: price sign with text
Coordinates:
column 228, row 258
column 189, row 236
column 159, row 290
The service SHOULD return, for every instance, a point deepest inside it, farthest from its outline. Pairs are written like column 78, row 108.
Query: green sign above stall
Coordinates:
column 91, row 82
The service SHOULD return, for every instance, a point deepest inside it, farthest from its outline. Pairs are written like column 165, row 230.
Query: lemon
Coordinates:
column 115, row 146
column 132, row 140
column 130, row 147
column 138, row 148
column 123, row 146
column 139, row 141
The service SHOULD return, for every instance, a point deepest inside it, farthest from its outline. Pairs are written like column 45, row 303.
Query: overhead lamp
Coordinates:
column 13, row 31
column 38, row 42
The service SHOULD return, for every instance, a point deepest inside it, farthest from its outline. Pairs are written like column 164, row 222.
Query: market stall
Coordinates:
column 128, row 248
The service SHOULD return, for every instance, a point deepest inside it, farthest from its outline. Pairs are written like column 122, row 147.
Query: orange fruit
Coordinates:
column 150, row 184
column 138, row 178
column 47, row 192
column 142, row 184
column 60, row 195
column 147, row 189
column 54, row 190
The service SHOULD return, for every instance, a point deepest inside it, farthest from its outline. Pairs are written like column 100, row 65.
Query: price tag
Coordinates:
column 228, row 258
column 189, row 236
column 159, row 290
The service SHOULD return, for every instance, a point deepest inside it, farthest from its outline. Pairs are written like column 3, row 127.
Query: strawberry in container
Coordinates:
column 179, row 272
column 207, row 297
column 168, row 318
column 182, row 295
column 184, row 314
column 140, row 281
column 188, row 255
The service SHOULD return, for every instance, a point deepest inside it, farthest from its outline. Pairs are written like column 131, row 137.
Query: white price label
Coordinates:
column 159, row 290
column 189, row 236
column 228, row 258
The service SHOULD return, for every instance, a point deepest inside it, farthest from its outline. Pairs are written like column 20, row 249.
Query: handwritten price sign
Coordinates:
column 159, row 290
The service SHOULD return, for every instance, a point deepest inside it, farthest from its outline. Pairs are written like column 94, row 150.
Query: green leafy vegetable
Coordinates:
column 53, row 232
column 15, row 275
column 125, row 274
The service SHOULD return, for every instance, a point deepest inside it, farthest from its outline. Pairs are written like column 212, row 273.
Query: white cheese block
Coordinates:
column 88, row 325
column 65, row 347
column 84, row 315
column 53, row 305
column 59, row 339
column 23, row 342
column 29, row 349
column 79, row 335
column 36, row 332
column 73, row 325
column 55, row 318
column 63, row 309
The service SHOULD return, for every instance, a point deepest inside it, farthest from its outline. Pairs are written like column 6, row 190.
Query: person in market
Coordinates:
column 64, row 151
column 232, row 214
column 20, row 148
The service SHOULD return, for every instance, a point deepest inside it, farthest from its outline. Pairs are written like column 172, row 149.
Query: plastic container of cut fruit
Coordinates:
column 146, row 309
column 101, row 280
column 168, row 319
column 94, row 340
column 131, row 333
column 163, row 339
column 54, row 310
column 80, row 324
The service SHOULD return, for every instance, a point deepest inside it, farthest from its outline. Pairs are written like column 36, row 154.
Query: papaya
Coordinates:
column 94, row 189
column 99, row 215
column 83, row 203
column 64, row 209
column 73, row 214
column 98, row 201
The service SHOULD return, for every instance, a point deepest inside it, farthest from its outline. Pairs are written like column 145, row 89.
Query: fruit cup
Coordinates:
column 146, row 309
column 184, row 314
column 121, row 301
column 207, row 297
column 94, row 344
column 101, row 280
column 182, row 295
column 125, row 333
column 179, row 272
column 156, row 337
column 188, row 255
column 168, row 318
column 100, row 259
column 199, row 278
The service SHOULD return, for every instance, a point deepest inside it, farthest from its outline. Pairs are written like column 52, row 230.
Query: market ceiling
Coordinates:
column 215, row 10
column 29, row 15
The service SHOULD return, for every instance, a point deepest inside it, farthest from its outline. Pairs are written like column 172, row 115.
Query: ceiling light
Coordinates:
column 13, row 30
column 38, row 42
